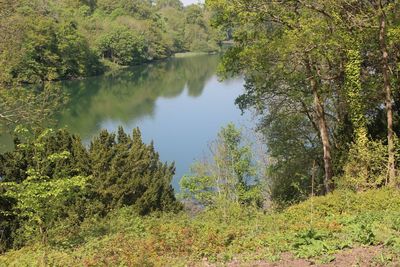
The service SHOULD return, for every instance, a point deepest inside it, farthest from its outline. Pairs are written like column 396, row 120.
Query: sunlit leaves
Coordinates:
column 38, row 197
column 229, row 176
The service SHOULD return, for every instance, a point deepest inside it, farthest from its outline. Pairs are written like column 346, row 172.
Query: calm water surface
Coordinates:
column 178, row 103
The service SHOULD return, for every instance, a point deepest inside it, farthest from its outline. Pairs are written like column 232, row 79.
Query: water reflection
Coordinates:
column 131, row 94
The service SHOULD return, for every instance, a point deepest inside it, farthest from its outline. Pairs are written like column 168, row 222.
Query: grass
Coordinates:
column 315, row 229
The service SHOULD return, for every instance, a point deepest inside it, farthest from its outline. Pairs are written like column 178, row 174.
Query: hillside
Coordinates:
column 340, row 229
column 310, row 176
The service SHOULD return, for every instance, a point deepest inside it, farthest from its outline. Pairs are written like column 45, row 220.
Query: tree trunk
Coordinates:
column 323, row 130
column 322, row 125
column 388, row 100
column 43, row 233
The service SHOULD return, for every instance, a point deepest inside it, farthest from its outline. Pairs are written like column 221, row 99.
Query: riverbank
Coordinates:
column 340, row 229
column 111, row 67
column 192, row 54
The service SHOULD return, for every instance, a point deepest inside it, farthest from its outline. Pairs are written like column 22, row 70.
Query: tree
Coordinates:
column 122, row 46
column 52, row 178
column 54, row 40
column 128, row 172
column 230, row 177
column 38, row 197
column 294, row 169
column 31, row 108
column 382, row 7
column 300, row 70
column 175, row 4
column 199, row 35
column 376, row 19
column 46, row 51
column 322, row 59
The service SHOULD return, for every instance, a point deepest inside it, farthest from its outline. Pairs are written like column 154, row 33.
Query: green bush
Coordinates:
column 365, row 167
column 42, row 182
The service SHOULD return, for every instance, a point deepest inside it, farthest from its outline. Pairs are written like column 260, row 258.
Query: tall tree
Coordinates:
column 290, row 54
column 387, row 87
column 377, row 19
column 329, row 59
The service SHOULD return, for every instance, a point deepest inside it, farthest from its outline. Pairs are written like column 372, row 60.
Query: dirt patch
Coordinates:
column 361, row 256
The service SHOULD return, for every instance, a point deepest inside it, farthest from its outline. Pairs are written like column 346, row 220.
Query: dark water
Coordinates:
column 178, row 103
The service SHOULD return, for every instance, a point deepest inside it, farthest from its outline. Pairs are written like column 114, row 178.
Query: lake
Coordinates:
column 178, row 103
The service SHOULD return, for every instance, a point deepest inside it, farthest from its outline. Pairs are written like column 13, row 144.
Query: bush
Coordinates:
column 40, row 182
column 366, row 166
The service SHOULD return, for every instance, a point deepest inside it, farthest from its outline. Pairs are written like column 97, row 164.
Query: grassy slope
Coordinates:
column 317, row 229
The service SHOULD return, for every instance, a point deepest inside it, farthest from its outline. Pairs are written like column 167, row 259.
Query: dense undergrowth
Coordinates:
column 317, row 229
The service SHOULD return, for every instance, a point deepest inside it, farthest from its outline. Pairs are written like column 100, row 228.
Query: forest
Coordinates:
column 316, row 184
column 70, row 39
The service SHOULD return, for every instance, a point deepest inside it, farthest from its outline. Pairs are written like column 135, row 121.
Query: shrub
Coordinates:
column 42, row 180
column 366, row 166
column 229, row 177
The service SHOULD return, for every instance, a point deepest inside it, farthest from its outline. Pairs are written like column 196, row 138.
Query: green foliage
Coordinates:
column 315, row 229
column 48, row 51
column 7, row 222
column 314, row 72
column 365, row 167
column 29, row 107
column 310, row 243
column 66, row 39
column 42, row 182
column 317, row 73
column 128, row 172
column 176, row 4
column 293, row 164
column 229, row 178
column 354, row 91
column 38, row 197
column 122, row 46
column 199, row 36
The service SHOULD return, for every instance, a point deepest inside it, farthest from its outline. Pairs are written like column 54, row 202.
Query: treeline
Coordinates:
column 51, row 183
column 52, row 40
column 45, row 41
column 324, row 77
